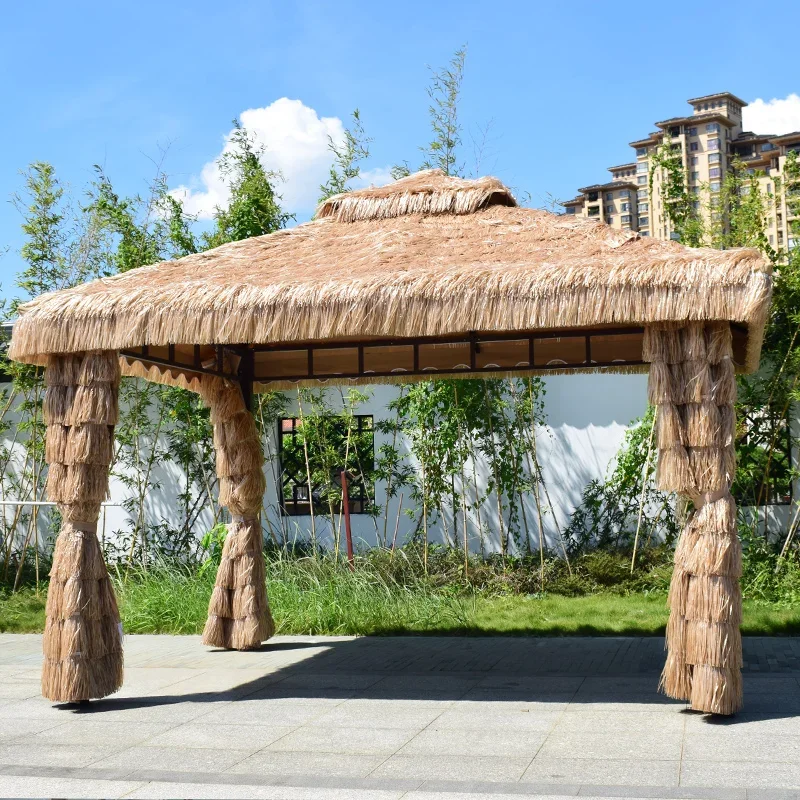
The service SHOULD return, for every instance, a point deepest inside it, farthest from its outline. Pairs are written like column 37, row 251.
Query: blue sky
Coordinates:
column 565, row 86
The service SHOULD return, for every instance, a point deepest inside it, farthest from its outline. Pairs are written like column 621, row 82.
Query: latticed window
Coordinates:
column 764, row 448
column 321, row 449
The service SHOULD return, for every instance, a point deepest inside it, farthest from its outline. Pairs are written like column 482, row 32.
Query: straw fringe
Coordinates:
column 719, row 342
column 723, row 389
column 714, row 598
column 89, row 444
column 398, row 276
column 55, row 443
column 99, row 367
column 713, row 554
column 662, row 345
column 62, row 370
column 238, row 613
column 82, row 642
column 676, row 677
column 96, row 403
column 715, row 644
column 703, row 424
column 716, row 690
column 694, row 391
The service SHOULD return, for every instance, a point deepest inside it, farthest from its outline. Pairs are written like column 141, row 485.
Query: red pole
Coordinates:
column 347, row 532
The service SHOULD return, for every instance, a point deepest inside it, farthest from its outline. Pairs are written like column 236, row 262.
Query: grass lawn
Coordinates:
column 318, row 606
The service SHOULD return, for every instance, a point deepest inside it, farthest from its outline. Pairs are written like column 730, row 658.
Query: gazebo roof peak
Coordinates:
column 429, row 191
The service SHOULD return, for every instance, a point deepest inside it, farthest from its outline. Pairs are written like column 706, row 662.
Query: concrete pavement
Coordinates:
column 400, row 717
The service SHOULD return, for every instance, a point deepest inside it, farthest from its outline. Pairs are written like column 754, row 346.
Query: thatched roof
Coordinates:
column 428, row 255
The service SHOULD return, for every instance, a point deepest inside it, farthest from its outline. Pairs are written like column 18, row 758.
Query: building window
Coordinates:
column 641, row 167
column 642, row 180
column 624, row 193
column 644, row 221
column 326, row 485
column 712, row 127
column 713, row 144
column 644, row 233
column 642, row 194
column 714, row 158
column 570, row 209
column 610, row 208
column 609, row 220
column 644, row 206
column 771, row 239
column 641, row 151
column 625, row 207
column 625, row 219
column 714, row 172
column 692, row 131
column 694, row 146
column 714, row 186
column 609, row 195
column 695, row 160
column 695, row 176
column 696, row 205
column 593, row 211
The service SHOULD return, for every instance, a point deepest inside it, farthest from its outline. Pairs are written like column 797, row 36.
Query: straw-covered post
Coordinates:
column 238, row 613
column 692, row 383
column 83, row 637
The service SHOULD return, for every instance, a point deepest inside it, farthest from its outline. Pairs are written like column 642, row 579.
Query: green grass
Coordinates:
column 315, row 597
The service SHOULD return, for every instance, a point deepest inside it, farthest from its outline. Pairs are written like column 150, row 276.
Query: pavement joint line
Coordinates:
column 476, row 787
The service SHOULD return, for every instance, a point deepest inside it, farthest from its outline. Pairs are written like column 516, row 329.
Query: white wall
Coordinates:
column 587, row 418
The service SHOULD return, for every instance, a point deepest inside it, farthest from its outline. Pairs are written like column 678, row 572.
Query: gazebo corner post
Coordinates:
column 692, row 383
column 82, row 640
column 239, row 616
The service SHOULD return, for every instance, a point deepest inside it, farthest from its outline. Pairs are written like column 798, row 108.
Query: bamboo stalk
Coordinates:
column 644, row 489
column 494, row 472
column 308, row 477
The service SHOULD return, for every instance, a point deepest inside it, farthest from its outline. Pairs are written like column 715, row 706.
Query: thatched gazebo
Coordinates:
column 429, row 276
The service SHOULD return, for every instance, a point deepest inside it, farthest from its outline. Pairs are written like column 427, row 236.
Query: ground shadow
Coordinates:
column 585, row 670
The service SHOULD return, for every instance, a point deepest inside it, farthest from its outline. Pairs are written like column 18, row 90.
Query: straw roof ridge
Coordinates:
column 426, row 192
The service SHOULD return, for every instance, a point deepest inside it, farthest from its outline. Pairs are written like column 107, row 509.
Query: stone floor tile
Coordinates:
column 201, row 791
column 622, row 772
column 266, row 713
column 452, row 768
column 362, row 714
column 178, row 759
column 517, row 719
column 214, row 736
column 13, row 786
column 610, row 722
column 541, row 684
column 308, row 764
column 640, row 745
column 365, row 741
column 99, row 732
column 740, row 745
column 30, row 752
column 22, row 728
column 435, row 741
column 747, row 774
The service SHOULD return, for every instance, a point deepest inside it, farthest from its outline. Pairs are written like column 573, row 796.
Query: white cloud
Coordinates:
column 296, row 142
column 379, row 176
column 776, row 116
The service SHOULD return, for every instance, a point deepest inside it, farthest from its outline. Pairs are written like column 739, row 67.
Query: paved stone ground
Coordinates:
column 413, row 718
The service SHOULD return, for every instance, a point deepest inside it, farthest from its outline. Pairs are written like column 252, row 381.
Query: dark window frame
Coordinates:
column 294, row 477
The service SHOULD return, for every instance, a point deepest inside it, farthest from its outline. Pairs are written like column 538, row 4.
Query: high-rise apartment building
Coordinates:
column 707, row 140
